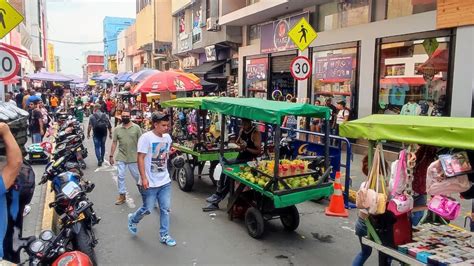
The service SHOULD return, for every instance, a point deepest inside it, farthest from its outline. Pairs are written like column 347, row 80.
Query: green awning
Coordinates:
column 191, row 102
column 266, row 111
column 455, row 132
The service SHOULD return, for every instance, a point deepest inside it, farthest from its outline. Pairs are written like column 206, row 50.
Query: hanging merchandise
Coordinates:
column 455, row 164
column 446, row 207
column 425, row 155
column 438, row 184
column 398, row 177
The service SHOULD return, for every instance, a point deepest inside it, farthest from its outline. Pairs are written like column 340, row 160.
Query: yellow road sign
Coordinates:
column 9, row 18
column 302, row 34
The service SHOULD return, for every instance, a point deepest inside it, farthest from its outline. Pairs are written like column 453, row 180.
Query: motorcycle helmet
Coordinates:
column 73, row 258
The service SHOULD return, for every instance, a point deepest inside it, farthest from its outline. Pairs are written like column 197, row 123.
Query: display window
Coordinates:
column 335, row 74
column 256, row 77
column 413, row 75
column 338, row 14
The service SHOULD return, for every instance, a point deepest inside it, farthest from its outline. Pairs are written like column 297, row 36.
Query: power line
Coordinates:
column 77, row 43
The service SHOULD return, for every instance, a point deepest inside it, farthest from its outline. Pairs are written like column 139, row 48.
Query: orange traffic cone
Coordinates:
column 336, row 204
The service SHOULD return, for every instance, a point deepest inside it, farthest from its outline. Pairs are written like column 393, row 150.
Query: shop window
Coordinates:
column 256, row 70
column 335, row 77
column 343, row 13
column 254, row 33
column 401, row 8
column 415, row 80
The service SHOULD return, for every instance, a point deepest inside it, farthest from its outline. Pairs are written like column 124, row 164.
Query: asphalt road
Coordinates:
column 206, row 240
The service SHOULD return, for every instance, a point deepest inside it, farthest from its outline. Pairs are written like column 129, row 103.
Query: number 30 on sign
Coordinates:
column 9, row 64
column 300, row 68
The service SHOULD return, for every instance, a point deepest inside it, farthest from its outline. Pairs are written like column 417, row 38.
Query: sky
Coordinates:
column 81, row 21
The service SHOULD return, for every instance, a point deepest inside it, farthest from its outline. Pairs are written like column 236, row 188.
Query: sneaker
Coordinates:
column 168, row 240
column 132, row 227
column 211, row 207
column 212, row 198
column 99, row 164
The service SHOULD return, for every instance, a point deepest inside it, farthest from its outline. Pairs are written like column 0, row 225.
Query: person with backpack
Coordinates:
column 100, row 124
column 7, row 178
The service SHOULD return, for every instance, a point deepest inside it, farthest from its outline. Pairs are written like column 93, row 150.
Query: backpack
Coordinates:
column 23, row 188
column 101, row 125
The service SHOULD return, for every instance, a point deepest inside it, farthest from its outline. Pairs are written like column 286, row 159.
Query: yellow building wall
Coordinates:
column 179, row 4
column 163, row 23
column 144, row 24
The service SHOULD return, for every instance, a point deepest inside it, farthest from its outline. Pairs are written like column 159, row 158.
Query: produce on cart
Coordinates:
column 194, row 150
column 270, row 189
column 433, row 241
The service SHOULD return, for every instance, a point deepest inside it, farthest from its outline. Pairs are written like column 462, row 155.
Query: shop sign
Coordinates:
column 274, row 35
column 184, row 42
column 210, row 53
column 303, row 148
column 256, row 69
column 331, row 67
column 189, row 62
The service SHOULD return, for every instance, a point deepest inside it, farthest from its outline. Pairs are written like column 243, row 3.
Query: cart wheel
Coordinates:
column 254, row 222
column 290, row 218
column 212, row 167
column 185, row 178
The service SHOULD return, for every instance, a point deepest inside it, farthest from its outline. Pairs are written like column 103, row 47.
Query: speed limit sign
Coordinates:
column 9, row 64
column 300, row 68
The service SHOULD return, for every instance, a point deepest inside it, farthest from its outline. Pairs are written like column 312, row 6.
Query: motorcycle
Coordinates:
column 51, row 249
column 72, row 143
column 71, row 203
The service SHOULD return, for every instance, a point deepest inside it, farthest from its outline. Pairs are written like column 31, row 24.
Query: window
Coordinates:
column 256, row 77
column 400, row 8
column 254, row 32
column 413, row 77
column 343, row 13
column 335, row 75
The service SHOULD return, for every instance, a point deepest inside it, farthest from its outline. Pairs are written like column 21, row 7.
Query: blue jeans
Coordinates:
column 150, row 196
column 365, row 251
column 36, row 138
column 418, row 201
column 122, row 167
column 99, row 145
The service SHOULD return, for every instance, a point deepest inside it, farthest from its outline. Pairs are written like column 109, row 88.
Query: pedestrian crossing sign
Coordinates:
column 302, row 34
column 9, row 18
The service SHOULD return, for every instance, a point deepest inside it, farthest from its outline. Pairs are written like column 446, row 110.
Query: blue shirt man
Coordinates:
column 3, row 214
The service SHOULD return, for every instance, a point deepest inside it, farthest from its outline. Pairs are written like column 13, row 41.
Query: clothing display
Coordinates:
column 411, row 109
column 398, row 94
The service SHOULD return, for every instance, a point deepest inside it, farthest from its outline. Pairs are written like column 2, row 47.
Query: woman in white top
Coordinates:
column 343, row 114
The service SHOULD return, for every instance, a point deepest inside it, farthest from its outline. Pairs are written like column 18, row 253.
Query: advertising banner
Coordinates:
column 274, row 35
column 333, row 67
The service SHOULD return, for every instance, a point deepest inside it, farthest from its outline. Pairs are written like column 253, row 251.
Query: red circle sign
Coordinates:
column 300, row 68
column 9, row 64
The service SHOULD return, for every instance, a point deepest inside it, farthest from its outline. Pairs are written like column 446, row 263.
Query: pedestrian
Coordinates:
column 109, row 105
column 249, row 142
column 45, row 116
column 342, row 114
column 19, row 98
column 99, row 123
column 26, row 99
column 7, row 177
column 126, row 137
column 9, row 98
column 291, row 122
column 36, row 123
column 153, row 152
column 53, row 102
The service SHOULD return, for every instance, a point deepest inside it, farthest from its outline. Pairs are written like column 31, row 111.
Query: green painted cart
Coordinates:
column 194, row 156
column 276, row 199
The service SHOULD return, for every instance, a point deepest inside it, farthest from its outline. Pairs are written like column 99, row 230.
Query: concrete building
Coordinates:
column 153, row 34
column 36, row 25
column 204, row 47
column 94, row 64
column 375, row 55
column 112, row 26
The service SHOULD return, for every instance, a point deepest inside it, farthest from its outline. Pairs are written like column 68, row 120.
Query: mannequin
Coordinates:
column 411, row 107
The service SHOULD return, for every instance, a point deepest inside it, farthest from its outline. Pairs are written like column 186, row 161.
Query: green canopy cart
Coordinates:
column 197, row 152
column 277, row 197
column 449, row 132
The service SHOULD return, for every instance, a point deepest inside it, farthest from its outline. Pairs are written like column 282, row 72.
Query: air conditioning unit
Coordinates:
column 212, row 24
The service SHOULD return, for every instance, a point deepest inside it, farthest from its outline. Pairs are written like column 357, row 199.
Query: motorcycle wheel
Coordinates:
column 83, row 242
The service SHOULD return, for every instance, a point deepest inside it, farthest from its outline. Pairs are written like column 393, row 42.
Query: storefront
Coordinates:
column 267, row 75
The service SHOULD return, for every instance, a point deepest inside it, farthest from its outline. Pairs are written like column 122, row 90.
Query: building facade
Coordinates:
column 112, row 26
column 153, row 34
column 201, row 45
column 94, row 64
column 377, row 56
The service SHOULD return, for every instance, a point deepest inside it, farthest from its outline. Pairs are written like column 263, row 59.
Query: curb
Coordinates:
column 47, row 222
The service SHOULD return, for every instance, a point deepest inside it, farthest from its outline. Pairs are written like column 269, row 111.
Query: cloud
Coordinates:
column 81, row 21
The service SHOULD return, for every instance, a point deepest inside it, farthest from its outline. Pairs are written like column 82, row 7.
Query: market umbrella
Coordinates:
column 103, row 77
column 123, row 77
column 75, row 79
column 166, row 81
column 438, row 62
column 48, row 76
column 209, row 86
column 142, row 75
column 189, row 75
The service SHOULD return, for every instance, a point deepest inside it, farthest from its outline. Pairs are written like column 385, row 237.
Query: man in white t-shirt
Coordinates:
column 153, row 152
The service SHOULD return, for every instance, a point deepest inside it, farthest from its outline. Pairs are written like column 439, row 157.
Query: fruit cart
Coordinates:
column 270, row 189
column 195, row 152
column 447, row 132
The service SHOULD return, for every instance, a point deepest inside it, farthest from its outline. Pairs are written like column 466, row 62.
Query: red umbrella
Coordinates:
column 166, row 81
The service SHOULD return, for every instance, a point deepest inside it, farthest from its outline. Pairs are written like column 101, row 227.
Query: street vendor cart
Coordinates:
column 270, row 189
column 445, row 132
column 197, row 150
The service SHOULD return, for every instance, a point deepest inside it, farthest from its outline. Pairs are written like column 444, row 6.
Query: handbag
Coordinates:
column 401, row 202
column 366, row 196
column 398, row 178
column 438, row 184
column 380, row 204
column 446, row 207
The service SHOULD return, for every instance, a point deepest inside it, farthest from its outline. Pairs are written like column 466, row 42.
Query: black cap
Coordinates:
column 343, row 103
column 158, row 116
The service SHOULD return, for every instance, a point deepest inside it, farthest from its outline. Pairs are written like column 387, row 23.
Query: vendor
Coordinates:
column 250, row 147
